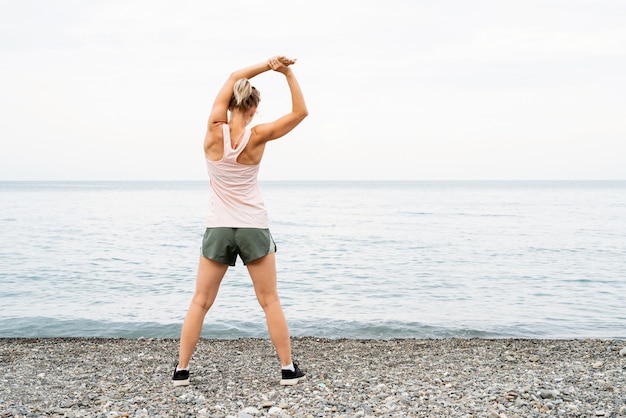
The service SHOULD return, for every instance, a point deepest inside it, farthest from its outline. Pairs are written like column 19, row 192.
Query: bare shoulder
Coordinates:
column 261, row 133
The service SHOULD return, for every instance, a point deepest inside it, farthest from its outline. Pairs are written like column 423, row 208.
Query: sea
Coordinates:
column 367, row 260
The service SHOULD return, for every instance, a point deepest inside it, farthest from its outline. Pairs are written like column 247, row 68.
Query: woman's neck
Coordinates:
column 237, row 120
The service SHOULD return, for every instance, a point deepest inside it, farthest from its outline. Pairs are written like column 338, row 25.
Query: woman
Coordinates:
column 237, row 224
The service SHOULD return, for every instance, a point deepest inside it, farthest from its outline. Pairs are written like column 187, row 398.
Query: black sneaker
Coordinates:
column 291, row 378
column 180, row 377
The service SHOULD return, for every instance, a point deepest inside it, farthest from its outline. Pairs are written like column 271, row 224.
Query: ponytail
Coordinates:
column 245, row 97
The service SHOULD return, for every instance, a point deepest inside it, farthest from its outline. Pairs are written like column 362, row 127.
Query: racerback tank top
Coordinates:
column 235, row 199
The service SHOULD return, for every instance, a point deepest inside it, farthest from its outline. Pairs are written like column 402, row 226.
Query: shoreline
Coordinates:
column 117, row 377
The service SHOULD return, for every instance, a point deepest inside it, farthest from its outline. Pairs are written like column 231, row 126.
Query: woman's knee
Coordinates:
column 267, row 299
column 202, row 301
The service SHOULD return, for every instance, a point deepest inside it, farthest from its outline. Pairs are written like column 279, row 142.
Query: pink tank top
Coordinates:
column 235, row 199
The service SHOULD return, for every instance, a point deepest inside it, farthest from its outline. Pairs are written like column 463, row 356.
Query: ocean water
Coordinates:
column 355, row 259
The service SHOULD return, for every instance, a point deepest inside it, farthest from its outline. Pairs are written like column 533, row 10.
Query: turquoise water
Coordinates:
column 355, row 259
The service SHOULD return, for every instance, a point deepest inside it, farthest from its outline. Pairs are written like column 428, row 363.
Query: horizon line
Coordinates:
column 307, row 180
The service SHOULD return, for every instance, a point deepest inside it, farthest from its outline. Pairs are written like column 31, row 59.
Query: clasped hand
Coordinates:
column 280, row 63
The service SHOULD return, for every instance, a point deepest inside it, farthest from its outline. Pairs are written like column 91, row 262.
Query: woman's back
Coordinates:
column 235, row 197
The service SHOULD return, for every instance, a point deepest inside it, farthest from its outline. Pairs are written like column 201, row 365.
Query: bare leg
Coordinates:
column 263, row 274
column 210, row 275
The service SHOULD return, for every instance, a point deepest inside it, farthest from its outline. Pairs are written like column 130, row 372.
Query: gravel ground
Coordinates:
column 345, row 378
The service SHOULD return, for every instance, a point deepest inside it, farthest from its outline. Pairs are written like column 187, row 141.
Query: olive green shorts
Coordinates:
column 225, row 244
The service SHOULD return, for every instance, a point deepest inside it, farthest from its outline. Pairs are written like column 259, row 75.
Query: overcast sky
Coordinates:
column 407, row 90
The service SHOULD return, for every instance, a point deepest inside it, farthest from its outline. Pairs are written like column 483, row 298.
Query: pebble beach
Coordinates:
column 85, row 377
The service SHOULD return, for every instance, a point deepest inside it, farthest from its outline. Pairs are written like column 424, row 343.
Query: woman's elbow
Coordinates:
column 303, row 114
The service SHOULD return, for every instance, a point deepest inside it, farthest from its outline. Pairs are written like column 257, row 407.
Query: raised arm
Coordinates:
column 269, row 131
column 219, row 111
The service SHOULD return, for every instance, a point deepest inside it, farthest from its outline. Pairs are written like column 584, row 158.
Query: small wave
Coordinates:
column 385, row 330
column 42, row 327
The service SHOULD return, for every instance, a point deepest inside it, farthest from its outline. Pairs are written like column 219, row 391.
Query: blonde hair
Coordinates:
column 245, row 96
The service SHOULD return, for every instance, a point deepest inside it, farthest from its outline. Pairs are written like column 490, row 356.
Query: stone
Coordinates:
column 251, row 411
column 275, row 410
column 548, row 394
